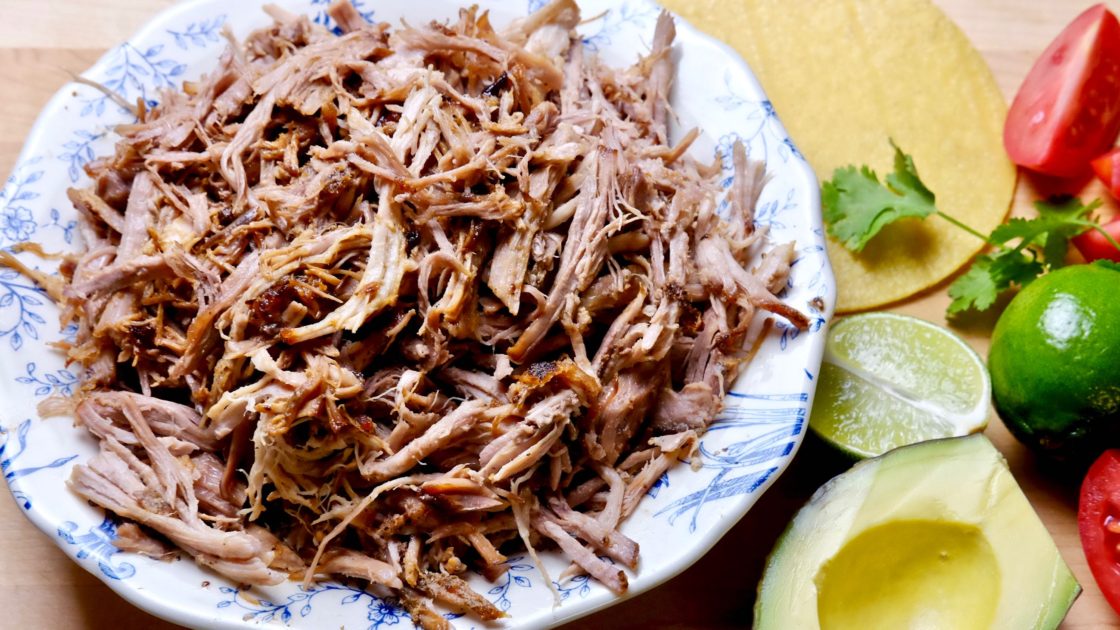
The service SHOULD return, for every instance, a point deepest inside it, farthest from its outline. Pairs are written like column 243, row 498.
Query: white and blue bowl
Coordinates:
column 685, row 513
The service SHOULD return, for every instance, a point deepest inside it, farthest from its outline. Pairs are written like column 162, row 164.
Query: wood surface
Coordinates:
column 44, row 42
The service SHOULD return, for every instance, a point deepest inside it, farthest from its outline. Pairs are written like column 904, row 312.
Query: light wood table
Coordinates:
column 42, row 42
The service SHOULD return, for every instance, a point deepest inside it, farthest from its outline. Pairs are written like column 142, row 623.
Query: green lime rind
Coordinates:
column 1055, row 363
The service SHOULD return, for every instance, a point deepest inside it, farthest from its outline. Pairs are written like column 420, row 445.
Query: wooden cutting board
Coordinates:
column 43, row 42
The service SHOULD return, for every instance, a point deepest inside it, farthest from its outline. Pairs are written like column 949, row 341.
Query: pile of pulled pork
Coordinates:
column 393, row 304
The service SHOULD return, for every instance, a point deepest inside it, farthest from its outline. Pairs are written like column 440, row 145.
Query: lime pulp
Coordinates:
column 889, row 380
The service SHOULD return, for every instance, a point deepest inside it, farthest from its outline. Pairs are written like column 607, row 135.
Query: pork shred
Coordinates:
column 386, row 305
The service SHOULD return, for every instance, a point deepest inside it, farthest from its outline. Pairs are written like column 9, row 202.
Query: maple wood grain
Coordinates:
column 44, row 42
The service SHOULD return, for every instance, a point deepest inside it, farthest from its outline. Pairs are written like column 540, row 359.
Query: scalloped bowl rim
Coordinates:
column 648, row 577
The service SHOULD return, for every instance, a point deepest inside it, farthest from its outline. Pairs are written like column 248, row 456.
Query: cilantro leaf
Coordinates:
column 1056, row 224
column 1108, row 264
column 857, row 205
column 1057, row 240
column 989, row 276
column 905, row 177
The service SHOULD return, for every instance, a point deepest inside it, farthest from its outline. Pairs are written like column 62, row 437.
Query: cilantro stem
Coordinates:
column 966, row 228
column 1097, row 226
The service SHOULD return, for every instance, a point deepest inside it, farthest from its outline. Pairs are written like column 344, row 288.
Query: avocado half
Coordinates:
column 934, row 535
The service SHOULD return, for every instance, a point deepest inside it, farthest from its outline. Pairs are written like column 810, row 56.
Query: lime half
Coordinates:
column 890, row 380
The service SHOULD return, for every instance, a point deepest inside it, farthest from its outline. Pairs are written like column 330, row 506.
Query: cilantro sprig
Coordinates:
column 857, row 206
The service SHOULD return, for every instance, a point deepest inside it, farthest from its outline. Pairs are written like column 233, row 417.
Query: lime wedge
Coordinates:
column 890, row 380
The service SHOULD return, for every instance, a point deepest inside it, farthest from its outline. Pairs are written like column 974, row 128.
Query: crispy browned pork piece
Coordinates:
column 389, row 304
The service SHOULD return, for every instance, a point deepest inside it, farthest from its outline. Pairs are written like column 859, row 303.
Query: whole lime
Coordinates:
column 1055, row 362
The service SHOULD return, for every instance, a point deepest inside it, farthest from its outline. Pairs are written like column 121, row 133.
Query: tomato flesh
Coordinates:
column 1107, row 168
column 1068, row 109
column 1098, row 521
column 1094, row 246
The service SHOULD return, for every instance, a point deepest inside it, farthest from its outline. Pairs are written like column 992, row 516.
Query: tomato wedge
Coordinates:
column 1098, row 520
column 1094, row 246
column 1107, row 168
column 1068, row 109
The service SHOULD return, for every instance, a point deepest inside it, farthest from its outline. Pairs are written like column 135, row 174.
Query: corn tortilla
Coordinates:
column 846, row 75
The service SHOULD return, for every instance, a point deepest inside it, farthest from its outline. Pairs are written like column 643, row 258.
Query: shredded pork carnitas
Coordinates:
column 391, row 304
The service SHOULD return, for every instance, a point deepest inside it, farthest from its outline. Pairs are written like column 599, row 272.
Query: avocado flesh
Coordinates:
column 935, row 535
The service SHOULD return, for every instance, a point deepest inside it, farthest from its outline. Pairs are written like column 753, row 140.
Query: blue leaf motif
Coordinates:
column 769, row 425
column 59, row 462
column 10, row 454
column 21, row 298
column 577, row 585
column 61, row 381
column 97, row 544
column 198, row 34
column 508, row 580
column 136, row 74
column 615, row 20
column 79, row 153
column 381, row 612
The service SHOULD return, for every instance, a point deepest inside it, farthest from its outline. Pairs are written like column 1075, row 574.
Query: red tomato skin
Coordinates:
column 1099, row 504
column 1067, row 110
column 1107, row 168
column 1094, row 246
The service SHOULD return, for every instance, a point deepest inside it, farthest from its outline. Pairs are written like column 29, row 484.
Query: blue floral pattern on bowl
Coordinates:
column 97, row 545
column 689, row 507
column 379, row 612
